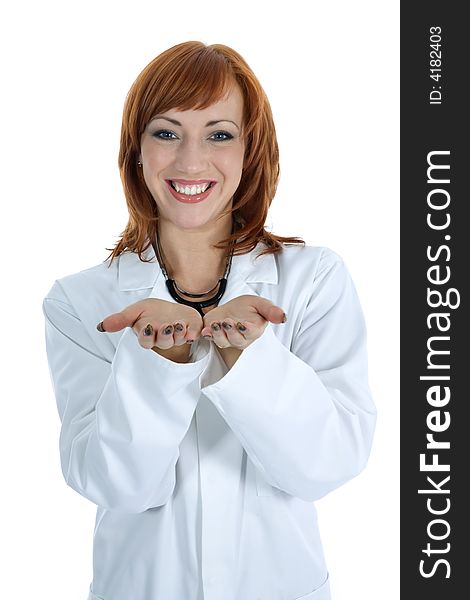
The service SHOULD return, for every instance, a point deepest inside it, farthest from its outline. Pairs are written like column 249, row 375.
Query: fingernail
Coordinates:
column 240, row 326
column 100, row 327
column 226, row 326
column 179, row 327
column 189, row 341
column 168, row 330
column 207, row 337
column 215, row 326
column 148, row 330
column 284, row 319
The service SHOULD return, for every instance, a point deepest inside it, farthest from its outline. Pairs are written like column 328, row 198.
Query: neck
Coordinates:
column 189, row 256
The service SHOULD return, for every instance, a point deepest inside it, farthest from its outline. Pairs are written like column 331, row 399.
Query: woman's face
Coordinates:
column 184, row 152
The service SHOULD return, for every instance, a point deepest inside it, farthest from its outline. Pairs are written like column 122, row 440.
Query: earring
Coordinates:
column 139, row 164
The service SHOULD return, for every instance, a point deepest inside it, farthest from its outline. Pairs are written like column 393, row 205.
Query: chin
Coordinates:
column 191, row 223
column 193, row 218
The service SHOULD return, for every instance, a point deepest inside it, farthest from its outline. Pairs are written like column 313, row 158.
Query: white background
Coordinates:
column 330, row 70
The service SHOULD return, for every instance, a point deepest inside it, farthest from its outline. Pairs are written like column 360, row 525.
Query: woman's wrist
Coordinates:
column 178, row 354
column 230, row 355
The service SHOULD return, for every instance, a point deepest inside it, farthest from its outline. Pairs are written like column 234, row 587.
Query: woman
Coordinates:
column 200, row 419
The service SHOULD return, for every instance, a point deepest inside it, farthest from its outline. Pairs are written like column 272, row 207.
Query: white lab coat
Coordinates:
column 205, row 479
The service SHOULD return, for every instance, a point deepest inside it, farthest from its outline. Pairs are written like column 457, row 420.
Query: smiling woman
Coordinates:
column 227, row 115
column 205, row 455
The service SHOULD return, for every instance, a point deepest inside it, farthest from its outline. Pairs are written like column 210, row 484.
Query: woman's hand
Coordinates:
column 158, row 324
column 241, row 321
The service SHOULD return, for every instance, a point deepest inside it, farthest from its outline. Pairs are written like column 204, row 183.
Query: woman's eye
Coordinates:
column 218, row 136
column 164, row 134
column 225, row 134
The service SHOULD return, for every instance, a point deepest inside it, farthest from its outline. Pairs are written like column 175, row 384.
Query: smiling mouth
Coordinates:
column 191, row 190
column 190, row 194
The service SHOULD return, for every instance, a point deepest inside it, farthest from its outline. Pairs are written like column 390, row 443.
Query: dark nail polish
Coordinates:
column 168, row 330
column 284, row 318
column 179, row 327
column 226, row 326
column 148, row 330
column 215, row 326
column 100, row 327
column 189, row 341
column 240, row 326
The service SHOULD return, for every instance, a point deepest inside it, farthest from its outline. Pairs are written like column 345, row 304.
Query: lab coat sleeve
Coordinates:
column 305, row 415
column 121, row 421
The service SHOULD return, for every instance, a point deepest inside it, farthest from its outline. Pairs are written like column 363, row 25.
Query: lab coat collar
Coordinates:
column 134, row 274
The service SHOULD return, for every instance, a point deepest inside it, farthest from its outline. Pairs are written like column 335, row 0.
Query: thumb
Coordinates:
column 117, row 321
column 269, row 311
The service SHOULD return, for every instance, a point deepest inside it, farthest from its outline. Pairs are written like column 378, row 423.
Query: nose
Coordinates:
column 192, row 157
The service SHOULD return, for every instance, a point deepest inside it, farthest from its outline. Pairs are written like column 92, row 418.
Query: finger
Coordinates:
column 269, row 311
column 117, row 321
column 235, row 333
column 249, row 331
column 218, row 335
column 146, row 336
column 165, row 337
column 179, row 332
column 193, row 329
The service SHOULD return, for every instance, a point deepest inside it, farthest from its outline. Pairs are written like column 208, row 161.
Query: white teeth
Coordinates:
column 190, row 190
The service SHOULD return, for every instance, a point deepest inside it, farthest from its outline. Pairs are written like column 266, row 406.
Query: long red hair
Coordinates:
column 187, row 76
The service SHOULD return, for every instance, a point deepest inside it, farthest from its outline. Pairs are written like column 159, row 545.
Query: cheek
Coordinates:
column 158, row 161
column 156, row 157
column 232, row 163
column 153, row 167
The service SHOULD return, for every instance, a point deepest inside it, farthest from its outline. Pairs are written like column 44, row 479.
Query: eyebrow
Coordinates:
column 208, row 124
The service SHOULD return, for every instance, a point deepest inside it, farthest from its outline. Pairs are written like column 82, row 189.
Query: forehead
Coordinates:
column 230, row 105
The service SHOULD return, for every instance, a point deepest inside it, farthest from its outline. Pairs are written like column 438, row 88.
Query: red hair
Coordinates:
column 187, row 76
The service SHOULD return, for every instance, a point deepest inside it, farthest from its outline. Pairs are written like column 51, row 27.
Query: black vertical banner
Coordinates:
column 434, row 262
